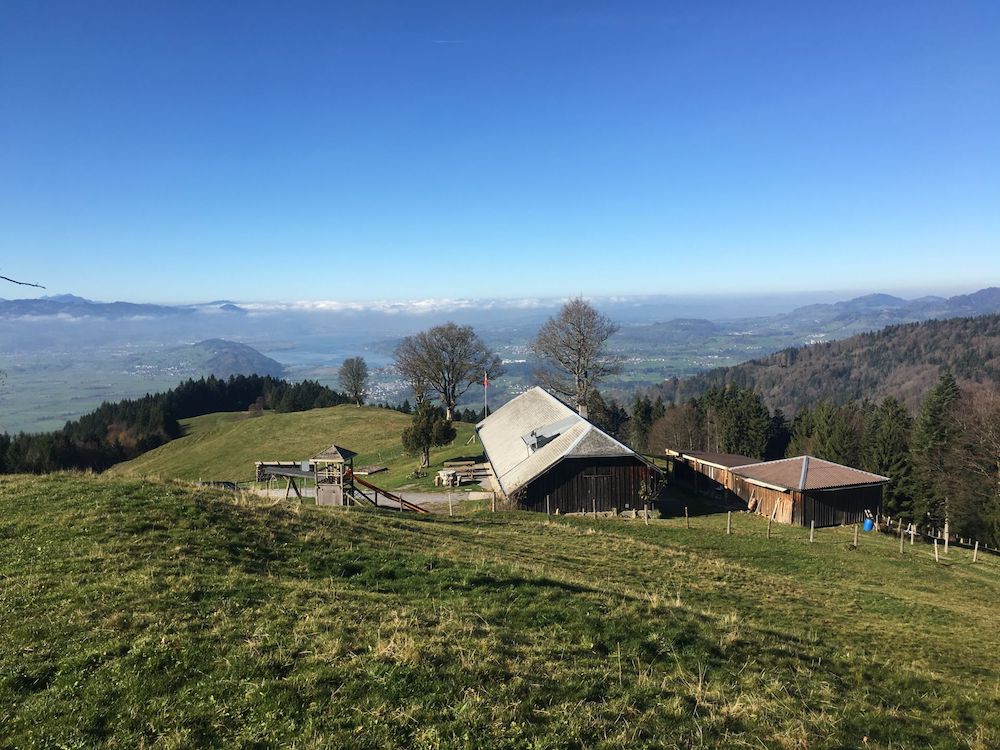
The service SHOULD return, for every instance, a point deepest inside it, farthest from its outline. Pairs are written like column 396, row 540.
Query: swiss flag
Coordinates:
column 486, row 380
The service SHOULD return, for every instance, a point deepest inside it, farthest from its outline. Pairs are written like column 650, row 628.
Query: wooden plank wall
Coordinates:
column 572, row 489
column 768, row 501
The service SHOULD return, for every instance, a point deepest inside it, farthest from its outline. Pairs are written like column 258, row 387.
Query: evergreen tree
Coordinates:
column 886, row 451
column 641, row 419
column 836, row 433
column 608, row 415
column 932, row 433
column 803, row 428
column 429, row 428
column 779, row 435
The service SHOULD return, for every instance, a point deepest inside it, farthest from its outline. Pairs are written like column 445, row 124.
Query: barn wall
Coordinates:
column 839, row 507
column 765, row 500
column 574, row 484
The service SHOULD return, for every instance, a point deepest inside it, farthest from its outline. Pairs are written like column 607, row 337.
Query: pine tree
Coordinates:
column 641, row 420
column 932, row 433
column 886, row 451
column 429, row 428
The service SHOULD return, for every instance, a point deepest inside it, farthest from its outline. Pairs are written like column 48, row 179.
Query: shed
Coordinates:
column 705, row 469
column 546, row 456
column 798, row 490
column 804, row 489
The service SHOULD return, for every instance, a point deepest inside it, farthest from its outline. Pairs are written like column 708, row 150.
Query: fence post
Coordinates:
column 946, row 538
column 548, row 507
column 645, row 513
column 595, row 506
column 913, row 532
column 769, row 527
column 936, row 558
column 975, row 552
column 493, row 502
column 729, row 523
column 451, row 511
column 687, row 521
column 900, row 538
column 812, row 531
column 855, row 535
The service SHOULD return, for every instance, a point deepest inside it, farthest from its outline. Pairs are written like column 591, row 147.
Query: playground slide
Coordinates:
column 392, row 496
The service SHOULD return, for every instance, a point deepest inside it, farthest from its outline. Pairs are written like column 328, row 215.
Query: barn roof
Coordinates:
column 786, row 473
column 335, row 453
column 534, row 431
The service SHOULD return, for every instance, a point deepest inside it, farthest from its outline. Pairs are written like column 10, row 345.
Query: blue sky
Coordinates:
column 279, row 151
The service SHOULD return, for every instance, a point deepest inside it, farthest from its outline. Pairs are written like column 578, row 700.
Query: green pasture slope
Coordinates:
column 224, row 446
column 144, row 614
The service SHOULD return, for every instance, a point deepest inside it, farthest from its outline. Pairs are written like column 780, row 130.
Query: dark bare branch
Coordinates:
column 21, row 283
column 571, row 347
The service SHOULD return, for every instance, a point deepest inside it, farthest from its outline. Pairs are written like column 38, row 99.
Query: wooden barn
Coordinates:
column 803, row 489
column 545, row 456
column 799, row 490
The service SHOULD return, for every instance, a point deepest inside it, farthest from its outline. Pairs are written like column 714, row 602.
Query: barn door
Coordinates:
column 597, row 481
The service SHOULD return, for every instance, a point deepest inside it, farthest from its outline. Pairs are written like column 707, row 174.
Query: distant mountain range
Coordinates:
column 692, row 345
column 69, row 305
column 902, row 361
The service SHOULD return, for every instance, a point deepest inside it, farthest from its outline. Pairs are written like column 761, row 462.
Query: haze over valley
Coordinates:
column 64, row 355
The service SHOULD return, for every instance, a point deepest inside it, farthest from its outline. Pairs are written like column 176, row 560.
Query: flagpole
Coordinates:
column 486, row 390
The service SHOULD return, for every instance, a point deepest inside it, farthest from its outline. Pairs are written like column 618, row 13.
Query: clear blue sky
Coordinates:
column 173, row 151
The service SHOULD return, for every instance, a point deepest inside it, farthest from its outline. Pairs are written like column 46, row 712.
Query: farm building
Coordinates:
column 703, row 470
column 798, row 490
column 544, row 455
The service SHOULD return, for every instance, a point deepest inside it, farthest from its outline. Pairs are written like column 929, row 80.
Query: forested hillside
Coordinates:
column 124, row 429
column 901, row 361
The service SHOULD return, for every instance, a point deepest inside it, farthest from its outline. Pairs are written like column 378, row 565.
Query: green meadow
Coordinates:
column 224, row 446
column 136, row 613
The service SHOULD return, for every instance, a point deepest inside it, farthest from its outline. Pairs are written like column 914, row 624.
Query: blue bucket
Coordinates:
column 869, row 524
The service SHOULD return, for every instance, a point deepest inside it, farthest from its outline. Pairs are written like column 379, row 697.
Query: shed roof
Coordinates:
column 821, row 475
column 534, row 431
column 726, row 460
column 335, row 454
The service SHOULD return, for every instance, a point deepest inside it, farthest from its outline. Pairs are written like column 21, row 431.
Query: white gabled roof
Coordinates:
column 531, row 433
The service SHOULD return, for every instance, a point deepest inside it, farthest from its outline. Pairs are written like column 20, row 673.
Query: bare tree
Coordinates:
column 408, row 364
column 446, row 360
column 571, row 347
column 353, row 376
column 679, row 428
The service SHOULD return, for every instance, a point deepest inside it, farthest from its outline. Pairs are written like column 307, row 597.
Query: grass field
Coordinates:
column 225, row 446
column 143, row 614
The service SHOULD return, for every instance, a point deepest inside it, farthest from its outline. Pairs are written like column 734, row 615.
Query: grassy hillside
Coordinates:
column 145, row 614
column 225, row 446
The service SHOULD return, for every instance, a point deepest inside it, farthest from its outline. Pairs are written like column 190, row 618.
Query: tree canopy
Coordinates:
column 446, row 360
column 573, row 354
column 353, row 377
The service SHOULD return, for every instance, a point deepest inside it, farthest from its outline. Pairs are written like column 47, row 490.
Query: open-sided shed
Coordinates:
column 800, row 490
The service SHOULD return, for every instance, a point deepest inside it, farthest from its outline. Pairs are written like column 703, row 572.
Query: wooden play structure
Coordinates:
column 336, row 482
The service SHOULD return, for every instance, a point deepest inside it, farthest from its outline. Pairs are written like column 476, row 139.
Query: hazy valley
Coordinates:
column 63, row 355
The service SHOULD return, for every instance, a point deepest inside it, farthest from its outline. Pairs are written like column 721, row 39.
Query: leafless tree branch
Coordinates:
column 22, row 283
